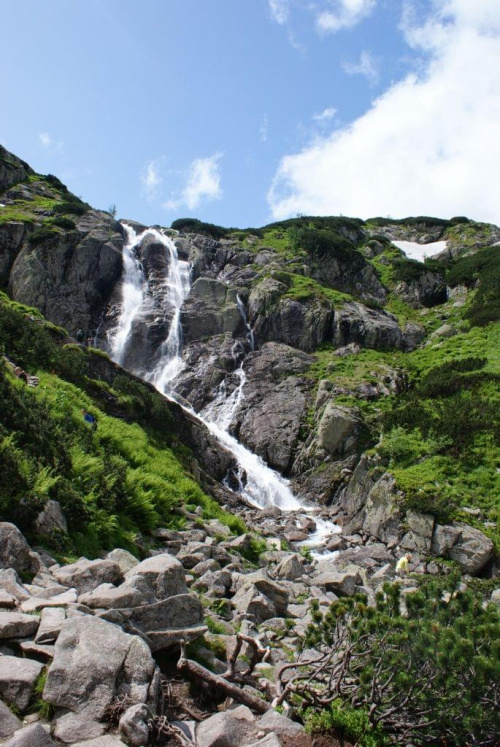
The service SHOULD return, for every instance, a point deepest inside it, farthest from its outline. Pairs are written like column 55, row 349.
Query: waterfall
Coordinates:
column 260, row 485
column 133, row 286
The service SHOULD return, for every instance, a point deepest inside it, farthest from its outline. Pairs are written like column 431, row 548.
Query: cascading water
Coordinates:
column 260, row 485
column 133, row 285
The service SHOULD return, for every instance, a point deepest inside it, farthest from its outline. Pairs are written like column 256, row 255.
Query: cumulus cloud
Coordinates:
column 151, row 179
column 342, row 14
column 366, row 66
column 202, row 183
column 428, row 145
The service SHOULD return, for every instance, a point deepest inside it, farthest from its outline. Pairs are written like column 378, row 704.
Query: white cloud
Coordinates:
column 151, row 179
column 428, row 145
column 366, row 66
column 280, row 11
column 343, row 14
column 49, row 143
column 202, row 183
column 326, row 115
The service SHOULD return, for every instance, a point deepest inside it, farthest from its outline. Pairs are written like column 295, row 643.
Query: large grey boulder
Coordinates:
column 11, row 583
column 133, row 725
column 211, row 309
column 221, row 730
column 31, row 736
column 86, row 575
column 14, row 550
column 51, row 622
column 107, row 740
column 290, row 567
column 370, row 328
column 275, row 722
column 124, row 559
column 132, row 593
column 164, row 575
column 343, row 584
column 338, row 428
column 472, row 550
column 17, row 625
column 382, row 517
column 9, row 723
column 51, row 520
column 163, row 623
column 419, row 536
column 94, row 662
column 17, row 680
column 70, row 728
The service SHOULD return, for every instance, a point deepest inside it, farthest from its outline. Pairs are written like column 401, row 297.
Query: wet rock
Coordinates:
column 17, row 680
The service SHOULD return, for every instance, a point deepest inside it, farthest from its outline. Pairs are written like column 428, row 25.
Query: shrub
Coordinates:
column 193, row 225
column 44, row 233
column 430, row 677
column 65, row 223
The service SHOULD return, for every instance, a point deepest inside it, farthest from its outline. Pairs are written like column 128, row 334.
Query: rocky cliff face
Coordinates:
column 316, row 314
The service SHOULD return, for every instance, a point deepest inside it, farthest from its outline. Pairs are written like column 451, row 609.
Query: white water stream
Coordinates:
column 260, row 485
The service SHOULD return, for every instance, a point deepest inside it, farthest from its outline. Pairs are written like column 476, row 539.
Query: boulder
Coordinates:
column 123, row 559
column 275, row 722
column 51, row 520
column 338, row 428
column 11, row 583
column 86, row 575
column 107, row 596
column 290, row 568
column 94, row 663
column 249, row 601
column 164, row 575
column 50, row 625
column 343, row 584
column 17, row 680
column 370, row 328
column 382, row 514
column 472, row 549
column 31, row 736
column 14, row 550
column 33, row 604
column 71, row 728
column 419, row 536
column 133, row 725
column 17, row 625
column 221, row 730
column 107, row 740
column 9, row 723
column 443, row 539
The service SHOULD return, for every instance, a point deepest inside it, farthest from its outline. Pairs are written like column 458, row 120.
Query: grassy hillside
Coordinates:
column 115, row 484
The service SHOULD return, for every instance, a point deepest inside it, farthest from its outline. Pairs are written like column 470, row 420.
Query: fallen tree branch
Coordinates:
column 196, row 671
column 259, row 653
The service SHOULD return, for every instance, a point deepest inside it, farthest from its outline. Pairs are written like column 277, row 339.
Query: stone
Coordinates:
column 33, row 604
column 343, row 584
column 472, row 550
column 220, row 730
column 31, row 736
column 370, row 328
column 290, row 568
column 17, row 625
column 248, row 601
column 71, row 728
column 51, row 520
column 272, row 721
column 95, row 662
column 50, row 625
column 107, row 596
column 338, row 428
column 133, row 725
column 14, row 550
column 270, row 740
column 7, row 601
column 86, row 575
column 11, row 583
column 421, row 527
column 123, row 559
column 495, row 597
column 107, row 740
column 382, row 514
column 9, row 723
column 164, row 575
column 17, row 680
column 443, row 539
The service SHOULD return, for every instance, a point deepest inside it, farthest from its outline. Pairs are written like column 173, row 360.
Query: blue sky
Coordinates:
column 240, row 112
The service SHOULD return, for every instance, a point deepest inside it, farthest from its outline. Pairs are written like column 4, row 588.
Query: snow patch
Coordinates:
column 420, row 251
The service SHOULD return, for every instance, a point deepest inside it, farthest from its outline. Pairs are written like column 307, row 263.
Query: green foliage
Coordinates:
column 64, row 222
column 430, row 677
column 320, row 243
column 193, row 225
column 72, row 205
column 43, row 234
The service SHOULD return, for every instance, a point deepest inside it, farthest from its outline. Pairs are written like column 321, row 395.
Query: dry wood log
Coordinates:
column 196, row 671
